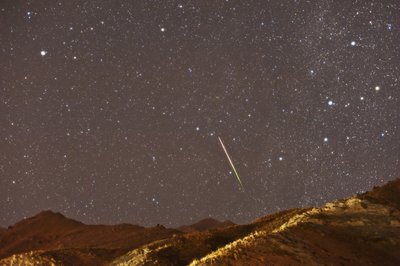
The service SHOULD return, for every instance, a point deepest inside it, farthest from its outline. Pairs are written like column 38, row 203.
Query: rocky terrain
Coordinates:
column 360, row 230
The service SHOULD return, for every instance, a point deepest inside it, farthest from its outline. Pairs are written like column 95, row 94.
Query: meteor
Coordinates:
column 231, row 163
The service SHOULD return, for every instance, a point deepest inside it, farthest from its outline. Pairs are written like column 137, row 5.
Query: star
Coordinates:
column 135, row 95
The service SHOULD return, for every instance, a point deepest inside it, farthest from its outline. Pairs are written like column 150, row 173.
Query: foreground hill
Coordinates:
column 353, row 231
column 183, row 249
column 348, row 232
column 361, row 230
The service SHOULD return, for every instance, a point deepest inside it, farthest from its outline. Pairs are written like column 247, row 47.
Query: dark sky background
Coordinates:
column 110, row 111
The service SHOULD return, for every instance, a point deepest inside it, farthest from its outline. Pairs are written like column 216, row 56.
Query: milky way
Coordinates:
column 110, row 111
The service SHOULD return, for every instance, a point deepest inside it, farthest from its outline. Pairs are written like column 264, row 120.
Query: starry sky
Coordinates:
column 110, row 111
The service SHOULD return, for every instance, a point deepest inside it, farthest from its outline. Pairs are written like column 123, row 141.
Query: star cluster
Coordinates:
column 110, row 111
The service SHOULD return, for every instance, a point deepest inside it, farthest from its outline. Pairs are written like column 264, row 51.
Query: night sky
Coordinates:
column 110, row 111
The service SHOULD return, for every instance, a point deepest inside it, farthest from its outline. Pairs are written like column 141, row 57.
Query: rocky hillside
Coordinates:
column 183, row 249
column 360, row 230
column 346, row 232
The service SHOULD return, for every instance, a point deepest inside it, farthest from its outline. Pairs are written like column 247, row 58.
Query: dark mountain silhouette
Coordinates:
column 205, row 224
column 52, row 231
column 360, row 230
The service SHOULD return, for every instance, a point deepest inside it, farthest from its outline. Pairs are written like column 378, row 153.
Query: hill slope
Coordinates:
column 182, row 249
column 353, row 231
column 360, row 230
column 51, row 231
column 347, row 232
column 389, row 194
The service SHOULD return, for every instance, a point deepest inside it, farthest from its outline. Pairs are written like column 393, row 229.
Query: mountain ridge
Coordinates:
column 205, row 224
column 51, row 231
column 360, row 230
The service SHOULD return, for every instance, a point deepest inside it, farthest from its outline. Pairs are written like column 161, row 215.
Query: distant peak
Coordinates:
column 48, row 217
column 209, row 220
column 228, row 222
column 49, row 213
column 205, row 224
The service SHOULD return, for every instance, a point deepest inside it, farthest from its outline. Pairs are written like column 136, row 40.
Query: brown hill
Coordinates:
column 182, row 249
column 353, row 231
column 387, row 194
column 53, row 232
column 2, row 230
column 205, row 224
column 360, row 230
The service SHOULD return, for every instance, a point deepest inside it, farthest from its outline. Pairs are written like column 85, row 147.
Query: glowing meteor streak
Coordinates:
column 230, row 161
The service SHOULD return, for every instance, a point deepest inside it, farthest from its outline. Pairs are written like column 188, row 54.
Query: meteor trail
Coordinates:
column 230, row 161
